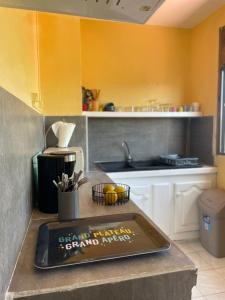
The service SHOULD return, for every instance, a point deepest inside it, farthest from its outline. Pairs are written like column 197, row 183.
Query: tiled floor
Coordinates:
column 211, row 272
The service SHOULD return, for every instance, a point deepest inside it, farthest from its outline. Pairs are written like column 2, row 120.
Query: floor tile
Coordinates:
column 210, row 283
column 195, row 293
column 196, row 245
column 212, row 260
column 216, row 297
column 189, row 246
column 221, row 272
column 211, row 275
column 201, row 262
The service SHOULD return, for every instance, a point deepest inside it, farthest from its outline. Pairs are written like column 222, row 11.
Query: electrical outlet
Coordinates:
column 35, row 100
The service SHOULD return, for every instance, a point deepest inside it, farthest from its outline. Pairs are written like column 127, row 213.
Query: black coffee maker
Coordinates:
column 50, row 166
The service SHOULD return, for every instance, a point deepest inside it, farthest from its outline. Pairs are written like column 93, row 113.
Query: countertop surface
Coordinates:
column 28, row 281
column 205, row 169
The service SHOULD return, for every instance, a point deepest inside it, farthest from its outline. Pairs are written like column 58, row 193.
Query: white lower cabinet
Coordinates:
column 141, row 196
column 186, row 219
column 161, row 206
column 155, row 201
column 170, row 201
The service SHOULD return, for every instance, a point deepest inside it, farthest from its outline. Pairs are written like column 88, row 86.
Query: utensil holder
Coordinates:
column 68, row 205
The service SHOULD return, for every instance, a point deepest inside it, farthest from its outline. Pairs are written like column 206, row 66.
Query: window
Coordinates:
column 221, row 94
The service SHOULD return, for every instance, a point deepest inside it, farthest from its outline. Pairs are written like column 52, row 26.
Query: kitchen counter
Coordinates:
column 163, row 276
column 174, row 190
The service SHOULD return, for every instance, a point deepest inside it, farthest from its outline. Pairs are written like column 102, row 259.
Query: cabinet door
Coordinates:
column 162, row 206
column 141, row 196
column 186, row 205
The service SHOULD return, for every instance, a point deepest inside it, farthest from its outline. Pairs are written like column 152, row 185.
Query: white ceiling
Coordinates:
column 184, row 13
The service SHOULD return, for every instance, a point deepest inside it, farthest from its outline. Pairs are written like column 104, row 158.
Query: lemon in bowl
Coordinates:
column 108, row 188
column 111, row 197
column 121, row 192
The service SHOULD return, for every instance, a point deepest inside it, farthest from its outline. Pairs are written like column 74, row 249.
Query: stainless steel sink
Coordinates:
column 125, row 166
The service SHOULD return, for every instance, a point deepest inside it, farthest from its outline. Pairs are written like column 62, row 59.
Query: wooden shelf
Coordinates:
column 109, row 114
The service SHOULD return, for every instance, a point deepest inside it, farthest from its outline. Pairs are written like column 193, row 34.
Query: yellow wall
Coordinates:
column 60, row 69
column 220, row 163
column 203, row 80
column 18, row 53
column 204, row 57
column 40, row 60
column 134, row 63
column 129, row 63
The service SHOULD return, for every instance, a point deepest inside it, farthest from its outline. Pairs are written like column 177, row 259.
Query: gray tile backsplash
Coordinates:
column 147, row 138
column 21, row 136
column 201, row 139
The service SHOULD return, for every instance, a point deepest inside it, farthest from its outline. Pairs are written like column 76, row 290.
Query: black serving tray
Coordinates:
column 95, row 239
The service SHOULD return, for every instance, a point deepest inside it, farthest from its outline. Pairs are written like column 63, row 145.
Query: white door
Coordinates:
column 162, row 206
column 141, row 196
column 186, row 205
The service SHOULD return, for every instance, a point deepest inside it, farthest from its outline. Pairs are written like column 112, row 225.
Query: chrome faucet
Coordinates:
column 126, row 147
